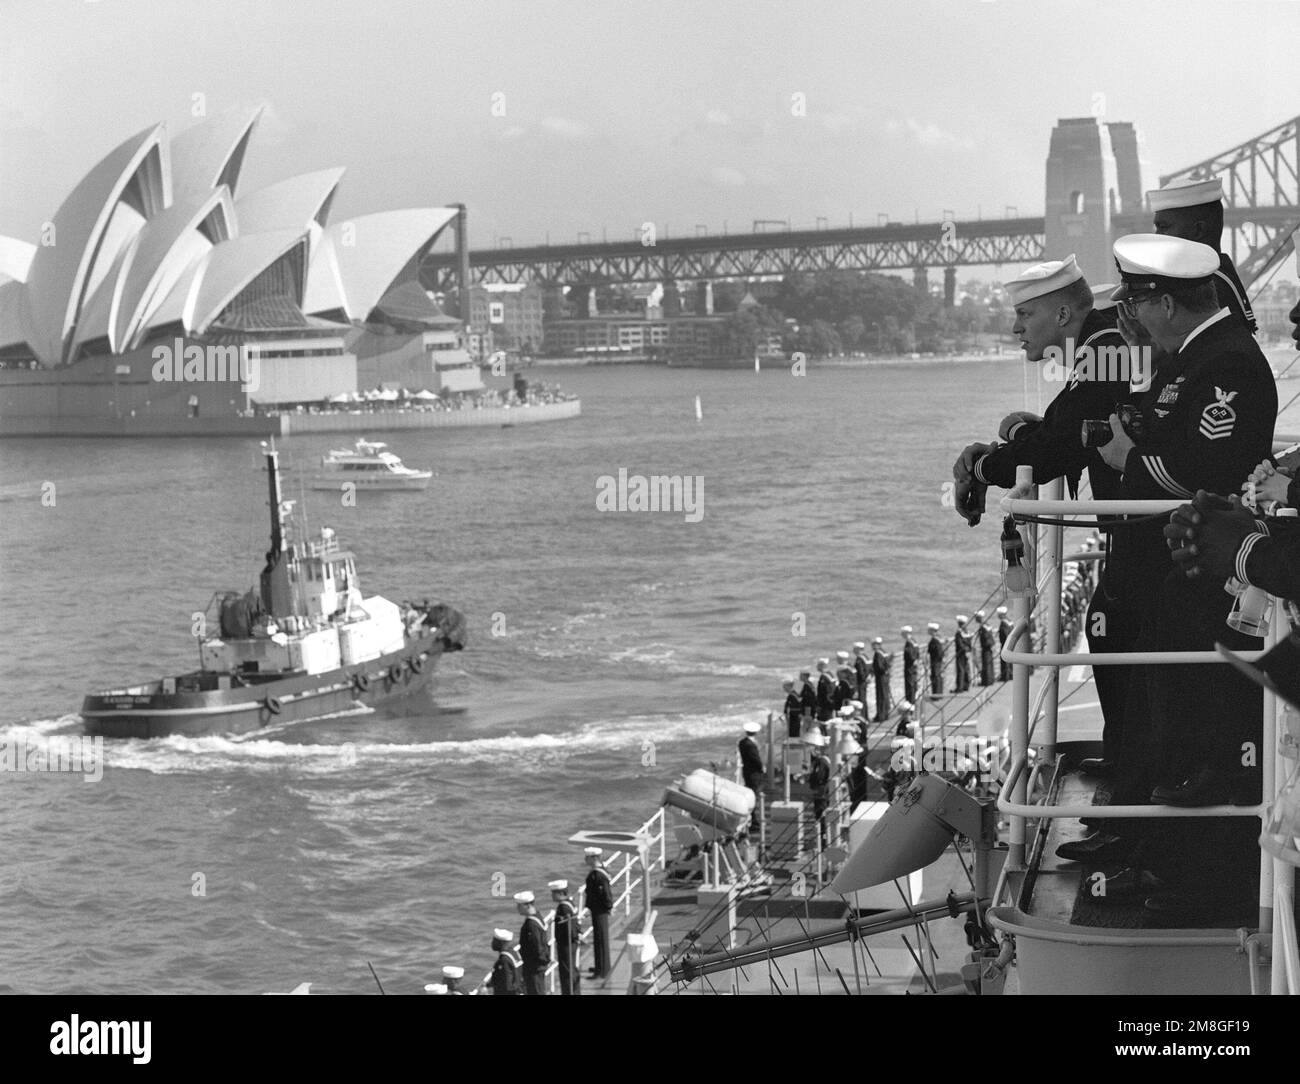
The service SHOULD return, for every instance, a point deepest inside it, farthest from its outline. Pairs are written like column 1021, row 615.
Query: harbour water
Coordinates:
column 608, row 653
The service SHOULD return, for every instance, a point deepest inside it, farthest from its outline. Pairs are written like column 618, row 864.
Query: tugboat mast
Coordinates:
column 277, row 588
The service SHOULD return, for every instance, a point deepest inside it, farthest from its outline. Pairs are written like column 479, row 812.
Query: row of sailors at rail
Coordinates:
column 1198, row 427
column 822, row 698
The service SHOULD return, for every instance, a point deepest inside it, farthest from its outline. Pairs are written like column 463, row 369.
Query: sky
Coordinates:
column 550, row 119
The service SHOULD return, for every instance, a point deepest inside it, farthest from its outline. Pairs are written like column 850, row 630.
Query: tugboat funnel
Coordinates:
column 908, row 837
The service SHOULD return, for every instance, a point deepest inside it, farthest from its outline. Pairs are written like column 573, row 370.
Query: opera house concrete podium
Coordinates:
column 163, row 300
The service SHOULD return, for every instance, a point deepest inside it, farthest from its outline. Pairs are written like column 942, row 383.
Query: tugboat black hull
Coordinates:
column 149, row 712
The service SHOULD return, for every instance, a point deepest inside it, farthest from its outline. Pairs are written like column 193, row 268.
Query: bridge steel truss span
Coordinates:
column 1262, row 210
column 1261, row 196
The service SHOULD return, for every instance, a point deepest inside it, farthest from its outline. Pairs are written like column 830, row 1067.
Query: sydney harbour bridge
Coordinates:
column 1093, row 194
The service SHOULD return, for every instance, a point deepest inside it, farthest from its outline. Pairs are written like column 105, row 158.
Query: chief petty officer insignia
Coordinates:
column 1217, row 419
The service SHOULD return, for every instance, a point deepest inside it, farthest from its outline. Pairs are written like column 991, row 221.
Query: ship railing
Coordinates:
column 1276, row 871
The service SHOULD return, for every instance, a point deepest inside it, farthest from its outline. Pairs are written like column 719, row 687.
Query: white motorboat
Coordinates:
column 368, row 465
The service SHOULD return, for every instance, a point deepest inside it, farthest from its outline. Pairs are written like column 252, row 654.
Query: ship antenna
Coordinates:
column 273, row 481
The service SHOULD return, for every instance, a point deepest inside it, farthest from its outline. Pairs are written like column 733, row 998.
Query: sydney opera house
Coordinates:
column 163, row 299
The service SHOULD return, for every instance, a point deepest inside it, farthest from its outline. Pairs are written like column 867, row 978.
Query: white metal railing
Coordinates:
column 1277, row 858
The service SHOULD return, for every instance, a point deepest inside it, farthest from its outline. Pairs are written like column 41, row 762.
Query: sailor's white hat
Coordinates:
column 846, row 710
column 753, row 728
column 592, row 852
column 933, row 626
column 1185, row 194
column 979, row 614
column 856, row 705
column 1043, row 278
column 502, row 935
column 906, row 629
column 787, row 682
column 841, row 655
column 858, row 645
column 1101, row 299
column 558, row 886
column 453, row 972
column 1158, row 261
column 877, row 639
column 1001, row 610
column 524, row 897
column 961, row 619
column 906, row 705
column 435, row 988
column 823, row 662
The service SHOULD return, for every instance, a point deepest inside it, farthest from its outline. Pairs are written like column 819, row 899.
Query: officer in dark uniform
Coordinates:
column 961, row 654
column 1193, row 210
column 568, row 932
column 1208, row 420
column 984, row 636
column 934, row 653
column 1004, row 630
column 599, row 896
column 534, row 946
column 880, row 664
column 793, row 710
column 751, row 768
column 911, row 665
column 1057, row 315
column 1218, row 539
column 819, row 778
column 845, row 690
column 807, row 695
column 861, row 669
column 504, row 980
column 825, row 691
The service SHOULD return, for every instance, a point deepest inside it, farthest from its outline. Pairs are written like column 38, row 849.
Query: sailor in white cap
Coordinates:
column 911, row 664
column 453, row 975
column 1208, row 420
column 861, row 670
column 568, row 934
column 880, row 667
column 534, row 946
column 825, row 691
column 599, row 896
column 1004, row 630
column 844, row 687
column 841, row 657
column 961, row 655
column 751, row 769
column 505, row 978
column 1055, row 319
column 436, row 988
column 1193, row 210
column 792, row 709
column 934, row 656
column 819, row 777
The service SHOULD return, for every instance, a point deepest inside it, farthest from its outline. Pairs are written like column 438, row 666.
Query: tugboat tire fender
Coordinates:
column 417, row 663
column 272, row 704
column 395, row 673
column 361, row 682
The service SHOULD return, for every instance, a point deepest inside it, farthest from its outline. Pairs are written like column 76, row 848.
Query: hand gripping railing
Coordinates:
column 1277, row 859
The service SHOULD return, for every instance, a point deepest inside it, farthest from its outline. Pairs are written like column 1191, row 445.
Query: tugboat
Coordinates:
column 367, row 466
column 305, row 643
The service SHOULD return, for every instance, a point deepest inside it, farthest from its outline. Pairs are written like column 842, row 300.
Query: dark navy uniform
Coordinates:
column 505, row 973
column 568, row 932
column 1271, row 558
column 819, row 777
column 751, row 769
column 862, row 671
column 1232, row 294
column 935, row 652
column 1209, row 421
column 844, row 692
column 793, row 712
column 808, row 700
column 1054, row 445
column 1004, row 630
column 825, row 697
column 880, row 671
column 535, row 953
column 911, row 672
column 961, row 653
column 600, row 901
column 985, row 635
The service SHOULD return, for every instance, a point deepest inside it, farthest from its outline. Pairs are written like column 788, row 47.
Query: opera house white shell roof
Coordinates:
column 157, row 236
